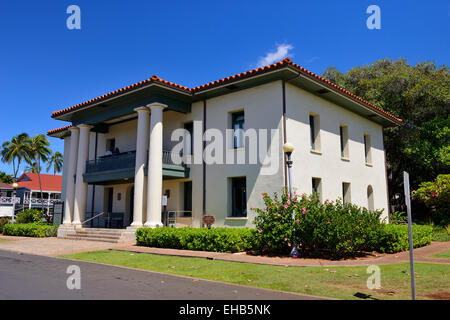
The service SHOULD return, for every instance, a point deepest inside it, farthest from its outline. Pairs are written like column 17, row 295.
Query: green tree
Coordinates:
column 420, row 96
column 55, row 160
column 15, row 151
column 31, row 168
column 38, row 150
column 5, row 178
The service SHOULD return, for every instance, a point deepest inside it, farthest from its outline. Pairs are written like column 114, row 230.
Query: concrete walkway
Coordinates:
column 53, row 247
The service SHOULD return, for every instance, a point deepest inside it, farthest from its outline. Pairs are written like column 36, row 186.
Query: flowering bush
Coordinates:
column 332, row 227
column 436, row 195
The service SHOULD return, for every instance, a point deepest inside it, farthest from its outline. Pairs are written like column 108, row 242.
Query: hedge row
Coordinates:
column 38, row 230
column 393, row 238
column 200, row 239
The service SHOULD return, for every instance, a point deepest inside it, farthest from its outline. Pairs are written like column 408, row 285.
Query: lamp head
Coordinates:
column 288, row 147
column 15, row 185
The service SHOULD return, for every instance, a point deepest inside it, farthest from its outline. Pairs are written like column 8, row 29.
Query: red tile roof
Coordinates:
column 58, row 130
column 49, row 182
column 280, row 64
column 5, row 186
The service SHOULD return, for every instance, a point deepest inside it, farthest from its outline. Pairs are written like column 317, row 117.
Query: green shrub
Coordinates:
column 395, row 238
column 3, row 221
column 436, row 196
column 29, row 216
column 332, row 228
column 39, row 230
column 201, row 239
column 398, row 217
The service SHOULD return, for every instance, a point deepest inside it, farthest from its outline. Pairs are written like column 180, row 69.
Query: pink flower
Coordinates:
column 285, row 206
column 253, row 208
column 297, row 221
column 285, row 239
column 276, row 206
column 289, row 202
column 304, row 211
column 259, row 230
column 328, row 222
column 289, row 244
column 295, row 192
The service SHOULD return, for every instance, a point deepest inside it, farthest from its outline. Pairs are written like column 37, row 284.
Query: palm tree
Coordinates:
column 16, row 149
column 38, row 149
column 32, row 168
column 5, row 178
column 56, row 160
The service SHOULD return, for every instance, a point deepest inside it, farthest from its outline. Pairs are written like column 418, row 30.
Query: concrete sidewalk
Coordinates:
column 53, row 247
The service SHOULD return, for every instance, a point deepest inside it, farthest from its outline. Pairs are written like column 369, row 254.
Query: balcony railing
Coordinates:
column 9, row 200
column 40, row 201
column 125, row 160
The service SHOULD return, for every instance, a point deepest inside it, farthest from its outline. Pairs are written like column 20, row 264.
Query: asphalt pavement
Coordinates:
column 31, row 277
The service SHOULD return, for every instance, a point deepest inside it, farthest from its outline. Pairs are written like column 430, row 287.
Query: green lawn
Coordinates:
column 3, row 240
column 443, row 254
column 336, row 282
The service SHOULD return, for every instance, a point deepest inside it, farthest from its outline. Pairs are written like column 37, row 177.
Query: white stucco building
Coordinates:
column 338, row 140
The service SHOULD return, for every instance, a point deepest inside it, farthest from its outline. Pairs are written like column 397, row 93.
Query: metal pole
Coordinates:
column 411, row 247
column 14, row 207
column 294, row 251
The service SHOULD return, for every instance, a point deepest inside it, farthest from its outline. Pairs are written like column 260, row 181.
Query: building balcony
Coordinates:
column 120, row 168
column 9, row 200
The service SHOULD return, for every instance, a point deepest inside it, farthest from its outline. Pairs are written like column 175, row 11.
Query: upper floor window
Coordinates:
column 237, row 124
column 314, row 130
column 367, row 149
column 343, row 134
column 189, row 140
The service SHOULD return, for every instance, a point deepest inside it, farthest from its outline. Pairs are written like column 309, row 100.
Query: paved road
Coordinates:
column 26, row 276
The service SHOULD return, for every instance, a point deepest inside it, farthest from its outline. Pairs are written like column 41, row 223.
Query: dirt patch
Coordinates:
column 440, row 295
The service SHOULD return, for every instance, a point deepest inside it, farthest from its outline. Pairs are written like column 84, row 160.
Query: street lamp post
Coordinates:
column 14, row 185
column 288, row 148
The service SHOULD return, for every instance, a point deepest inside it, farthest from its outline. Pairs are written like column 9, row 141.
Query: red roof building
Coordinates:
column 49, row 182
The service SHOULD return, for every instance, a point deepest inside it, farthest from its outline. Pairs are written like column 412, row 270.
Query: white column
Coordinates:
column 81, row 187
column 141, row 158
column 154, row 190
column 70, row 181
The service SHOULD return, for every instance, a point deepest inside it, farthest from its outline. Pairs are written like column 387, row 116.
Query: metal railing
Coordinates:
column 125, row 160
column 9, row 200
column 105, row 220
column 40, row 201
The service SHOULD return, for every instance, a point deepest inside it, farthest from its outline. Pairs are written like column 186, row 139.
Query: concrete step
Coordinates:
column 112, row 234
column 94, row 239
column 102, row 230
column 97, row 236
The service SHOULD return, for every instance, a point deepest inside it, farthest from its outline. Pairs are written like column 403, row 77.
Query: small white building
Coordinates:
column 119, row 148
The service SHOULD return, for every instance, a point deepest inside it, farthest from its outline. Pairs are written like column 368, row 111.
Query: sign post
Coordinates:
column 411, row 247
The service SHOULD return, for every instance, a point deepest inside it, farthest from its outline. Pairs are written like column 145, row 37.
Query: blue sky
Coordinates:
column 46, row 67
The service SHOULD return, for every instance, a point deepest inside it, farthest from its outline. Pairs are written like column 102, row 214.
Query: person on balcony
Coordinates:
column 116, row 151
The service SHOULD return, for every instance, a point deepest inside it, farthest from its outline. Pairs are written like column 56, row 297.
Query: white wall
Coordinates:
column 328, row 166
column 262, row 108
